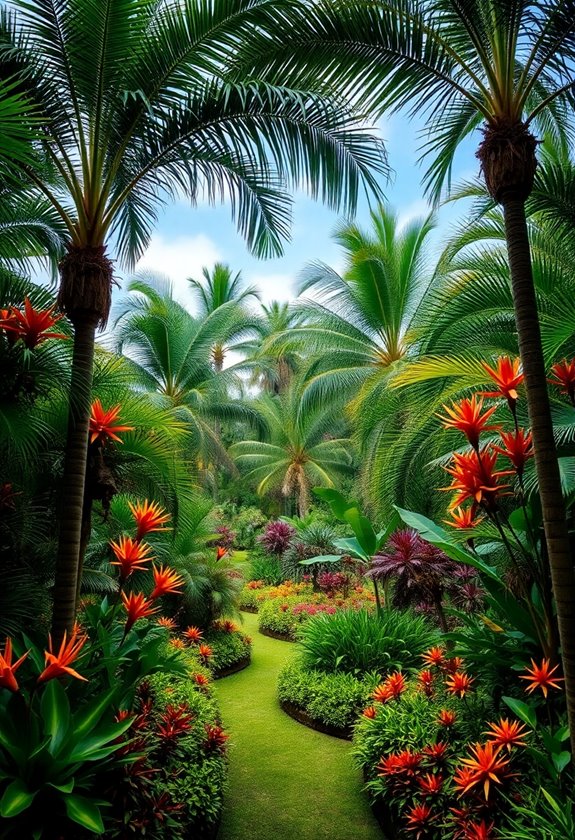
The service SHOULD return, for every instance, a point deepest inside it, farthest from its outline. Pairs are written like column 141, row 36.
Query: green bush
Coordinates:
column 356, row 641
column 228, row 648
column 332, row 699
column 266, row 568
column 249, row 599
column 275, row 619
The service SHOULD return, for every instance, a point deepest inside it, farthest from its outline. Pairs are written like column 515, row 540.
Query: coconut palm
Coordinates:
column 300, row 453
column 504, row 68
column 218, row 287
column 134, row 105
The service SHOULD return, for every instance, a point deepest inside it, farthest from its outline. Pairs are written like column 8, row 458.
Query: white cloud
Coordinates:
column 416, row 210
column 178, row 259
column 272, row 286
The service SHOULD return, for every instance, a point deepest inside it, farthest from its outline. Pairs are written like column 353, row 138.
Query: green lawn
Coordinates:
column 287, row 782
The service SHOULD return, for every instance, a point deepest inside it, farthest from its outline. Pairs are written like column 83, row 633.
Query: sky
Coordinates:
column 189, row 238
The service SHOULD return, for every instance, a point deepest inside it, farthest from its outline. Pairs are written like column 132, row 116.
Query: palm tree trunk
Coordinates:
column 73, row 479
column 547, row 467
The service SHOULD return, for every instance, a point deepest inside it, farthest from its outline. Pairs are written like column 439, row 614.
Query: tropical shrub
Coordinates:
column 276, row 538
column 247, row 523
column 357, row 642
column 229, row 645
column 267, row 568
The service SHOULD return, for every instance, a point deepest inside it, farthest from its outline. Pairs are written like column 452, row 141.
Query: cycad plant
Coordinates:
column 135, row 104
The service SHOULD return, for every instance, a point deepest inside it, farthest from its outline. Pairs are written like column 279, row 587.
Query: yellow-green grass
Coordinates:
column 240, row 556
column 287, row 782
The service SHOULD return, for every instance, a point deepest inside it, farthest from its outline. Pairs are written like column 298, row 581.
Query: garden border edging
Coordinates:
column 301, row 716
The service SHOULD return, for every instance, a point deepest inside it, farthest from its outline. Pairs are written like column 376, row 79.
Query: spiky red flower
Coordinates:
column 564, row 373
column 193, row 634
column 436, row 753
column 396, row 684
column 175, row 721
column 435, row 656
column 31, row 325
column 479, row 831
column 431, row 784
column 102, row 423
column 201, row 681
column 9, row 668
column 517, row 447
column 453, row 664
column 507, row 733
column 446, row 718
column 369, row 712
column 177, row 643
column 58, row 664
column 168, row 623
column 418, row 819
column 166, row 582
column 425, row 682
column 131, row 556
column 405, row 762
column 220, row 552
column 474, row 477
column 507, row 376
column 381, row 693
column 541, row 676
column 486, row 766
column 215, row 738
column 463, row 518
column 149, row 517
column 205, row 651
column 459, row 683
column 466, row 416
column 137, row 606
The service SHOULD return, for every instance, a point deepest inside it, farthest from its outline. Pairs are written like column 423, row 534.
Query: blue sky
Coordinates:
column 188, row 238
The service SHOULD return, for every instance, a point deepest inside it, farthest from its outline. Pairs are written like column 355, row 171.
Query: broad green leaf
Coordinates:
column 383, row 536
column 562, row 733
column 56, row 713
column 523, row 711
column 87, row 718
column 65, row 787
column 350, row 545
column 323, row 558
column 561, row 760
column 338, row 504
column 85, row 812
column 363, row 530
column 16, row 799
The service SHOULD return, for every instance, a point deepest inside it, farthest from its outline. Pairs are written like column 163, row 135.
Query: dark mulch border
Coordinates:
column 233, row 669
column 382, row 814
column 299, row 714
column 282, row 637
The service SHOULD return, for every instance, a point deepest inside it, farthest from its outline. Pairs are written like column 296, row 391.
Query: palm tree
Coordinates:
column 135, row 104
column 504, row 68
column 300, row 453
column 272, row 369
column 219, row 287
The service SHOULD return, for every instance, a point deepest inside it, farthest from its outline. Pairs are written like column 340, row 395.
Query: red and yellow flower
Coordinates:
column 370, row 712
column 166, row 582
column 193, row 634
column 564, row 377
column 459, row 683
column 446, row 718
column 31, row 325
column 507, row 733
column 435, row 656
column 425, row 682
column 137, row 606
column 131, row 556
column 474, row 477
column 9, row 668
column 102, row 423
column 541, row 676
column 58, row 664
column 517, row 447
column 149, row 517
column 221, row 552
column 463, row 518
column 507, row 376
column 418, row 819
column 431, row 784
column 205, row 651
column 168, row 623
column 466, row 416
column 486, row 766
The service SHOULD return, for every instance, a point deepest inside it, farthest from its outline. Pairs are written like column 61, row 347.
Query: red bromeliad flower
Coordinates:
column 435, row 656
column 166, row 582
column 229, row 626
column 396, row 684
column 406, row 762
column 446, row 718
column 220, row 552
column 541, row 676
column 168, row 623
column 564, row 373
column 9, row 668
column 179, row 644
column 507, row 733
column 518, row 447
column 137, row 606
column 149, row 516
column 205, row 651
column 425, row 681
column 101, row 423
column 507, row 377
column 175, row 721
column 215, row 738
column 475, row 477
column 193, row 634
column 131, row 556
column 459, row 683
column 31, row 325
column 381, row 693
column 479, row 831
column 201, row 681
column 436, row 753
column 419, row 819
column 58, row 665
column 486, row 766
column 431, row 784
column 455, row 663
column 463, row 518
column 369, row 712
column 467, row 418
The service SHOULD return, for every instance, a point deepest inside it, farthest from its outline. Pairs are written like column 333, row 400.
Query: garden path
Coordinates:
column 287, row 782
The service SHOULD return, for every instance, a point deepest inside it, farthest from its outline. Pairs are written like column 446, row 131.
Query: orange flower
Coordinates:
column 564, row 373
column 193, row 634
column 168, row 623
column 177, row 643
column 8, row 668
column 507, row 733
column 425, row 680
column 221, row 552
column 369, row 712
column 381, row 693
column 431, row 784
column 446, row 718
column 201, row 681
column 31, row 325
column 137, row 606
column 396, row 684
column 506, row 376
column 467, row 418
column 434, row 656
column 486, row 766
column 131, row 556
column 58, row 665
column 459, row 684
column 540, row 676
column 464, row 778
column 455, row 663
column 436, row 753
column 149, row 516
column 475, row 477
column 419, row 818
column 406, row 762
column 101, row 423
column 479, row 831
column 229, row 626
column 166, row 582
column 463, row 518
column 517, row 446
column 205, row 651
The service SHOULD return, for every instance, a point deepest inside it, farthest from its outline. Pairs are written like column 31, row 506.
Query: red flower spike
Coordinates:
column 454, row 664
column 507, row 377
column 459, row 684
column 467, row 418
column 58, row 665
column 479, row 831
column 419, row 818
column 517, row 447
column 564, row 373
column 507, row 733
column 431, row 784
column 166, row 582
column 9, row 668
column 475, row 477
column 179, row 644
column 541, row 676
column 369, row 712
column 435, row 656
column 137, row 606
column 463, row 518
column 168, row 623
column 215, row 738
column 149, row 517
column 436, row 753
column 485, row 766
column 205, row 651
column 381, row 693
column 221, row 552
column 31, row 325
column 175, row 721
column 425, row 682
column 446, row 718
column 193, row 634
column 201, row 681
column 396, row 684
column 101, row 423
column 406, row 762
column 131, row 556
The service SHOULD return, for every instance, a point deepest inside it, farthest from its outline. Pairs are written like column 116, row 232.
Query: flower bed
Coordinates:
column 223, row 649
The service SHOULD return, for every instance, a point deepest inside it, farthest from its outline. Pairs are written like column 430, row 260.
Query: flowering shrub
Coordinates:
column 284, row 609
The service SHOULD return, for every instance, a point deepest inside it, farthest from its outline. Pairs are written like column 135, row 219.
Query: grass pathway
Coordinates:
column 287, row 782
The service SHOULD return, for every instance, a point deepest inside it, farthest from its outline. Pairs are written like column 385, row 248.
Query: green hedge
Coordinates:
column 229, row 648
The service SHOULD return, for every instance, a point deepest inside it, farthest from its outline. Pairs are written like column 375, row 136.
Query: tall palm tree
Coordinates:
column 135, row 104
column 218, row 287
column 507, row 69
column 272, row 369
column 300, row 452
